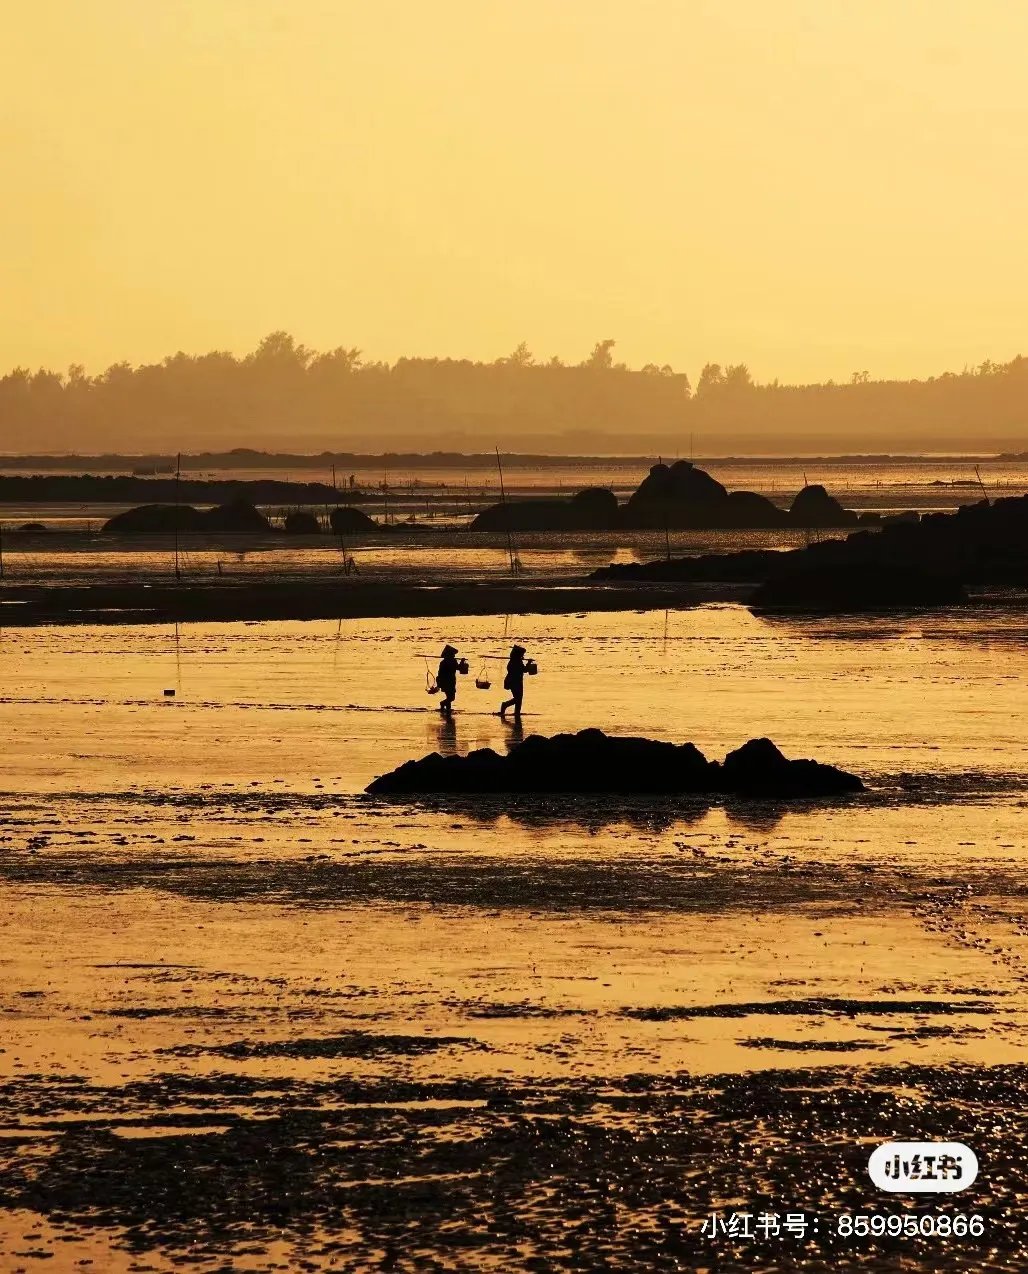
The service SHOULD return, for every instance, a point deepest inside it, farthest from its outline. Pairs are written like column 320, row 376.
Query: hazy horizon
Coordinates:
column 284, row 394
column 807, row 188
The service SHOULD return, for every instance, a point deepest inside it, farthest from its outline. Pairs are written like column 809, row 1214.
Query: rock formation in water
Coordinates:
column 679, row 495
column 347, row 521
column 301, row 522
column 679, row 483
column 980, row 543
column 238, row 517
column 594, row 509
column 814, row 507
column 592, row 761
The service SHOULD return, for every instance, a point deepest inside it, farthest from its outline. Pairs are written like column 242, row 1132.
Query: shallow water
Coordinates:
column 406, row 556
column 218, row 954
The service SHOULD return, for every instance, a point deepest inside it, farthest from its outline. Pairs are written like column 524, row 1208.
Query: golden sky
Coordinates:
column 808, row 186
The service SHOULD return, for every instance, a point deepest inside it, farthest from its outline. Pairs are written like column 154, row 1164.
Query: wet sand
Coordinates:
column 255, row 1020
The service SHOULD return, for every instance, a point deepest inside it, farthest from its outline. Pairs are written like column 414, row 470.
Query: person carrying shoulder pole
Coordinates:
column 446, row 677
column 514, row 681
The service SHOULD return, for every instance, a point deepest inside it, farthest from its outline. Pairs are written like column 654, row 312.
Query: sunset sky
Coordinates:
column 807, row 186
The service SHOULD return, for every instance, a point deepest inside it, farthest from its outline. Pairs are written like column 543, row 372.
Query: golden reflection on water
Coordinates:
column 193, row 886
column 292, row 701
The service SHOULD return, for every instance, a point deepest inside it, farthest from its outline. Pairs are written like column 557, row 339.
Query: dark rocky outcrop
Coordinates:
column 758, row 768
column 154, row 519
column 979, row 544
column 592, row 761
column 594, row 509
column 679, row 495
column 524, row 515
column 238, row 517
column 747, row 510
column 345, row 521
column 300, row 522
column 814, row 507
column 677, row 484
column 683, row 496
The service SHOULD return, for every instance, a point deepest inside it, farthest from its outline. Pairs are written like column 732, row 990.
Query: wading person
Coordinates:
column 446, row 678
column 514, row 681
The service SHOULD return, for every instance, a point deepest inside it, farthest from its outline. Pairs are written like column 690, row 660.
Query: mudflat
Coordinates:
column 255, row 1019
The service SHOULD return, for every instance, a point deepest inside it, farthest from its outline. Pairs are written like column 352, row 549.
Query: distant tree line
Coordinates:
column 284, row 391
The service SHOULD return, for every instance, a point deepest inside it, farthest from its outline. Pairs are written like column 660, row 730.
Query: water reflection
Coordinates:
column 761, row 816
column 444, row 732
column 581, row 812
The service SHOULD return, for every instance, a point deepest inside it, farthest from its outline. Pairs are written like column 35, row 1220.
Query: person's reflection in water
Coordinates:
column 515, row 732
column 447, row 734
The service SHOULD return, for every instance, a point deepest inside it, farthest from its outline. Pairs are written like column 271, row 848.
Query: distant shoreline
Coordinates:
column 163, row 465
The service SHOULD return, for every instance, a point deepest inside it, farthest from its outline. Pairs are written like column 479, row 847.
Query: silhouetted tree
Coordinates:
column 283, row 392
column 602, row 357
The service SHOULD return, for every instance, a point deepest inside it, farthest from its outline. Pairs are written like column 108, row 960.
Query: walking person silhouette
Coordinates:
column 514, row 681
column 446, row 677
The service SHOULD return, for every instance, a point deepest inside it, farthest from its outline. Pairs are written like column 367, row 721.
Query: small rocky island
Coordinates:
column 913, row 560
column 594, row 762
column 679, row 496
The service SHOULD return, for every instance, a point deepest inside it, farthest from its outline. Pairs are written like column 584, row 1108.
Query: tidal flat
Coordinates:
column 254, row 1019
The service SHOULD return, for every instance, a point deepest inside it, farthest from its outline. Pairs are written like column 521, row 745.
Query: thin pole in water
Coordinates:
column 342, row 543
column 976, row 474
column 503, row 500
column 178, row 483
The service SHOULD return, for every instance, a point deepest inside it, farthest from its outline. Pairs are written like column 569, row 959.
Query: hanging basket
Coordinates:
column 482, row 681
column 431, row 685
column 531, row 667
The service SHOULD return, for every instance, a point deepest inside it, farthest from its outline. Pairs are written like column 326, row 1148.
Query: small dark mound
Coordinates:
column 236, row 517
column 346, row 521
column 596, row 506
column 593, row 509
column 814, row 507
column 154, row 519
column 594, row 762
column 300, row 522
